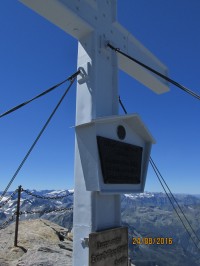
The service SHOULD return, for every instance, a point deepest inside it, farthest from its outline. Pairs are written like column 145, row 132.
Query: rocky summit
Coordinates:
column 40, row 242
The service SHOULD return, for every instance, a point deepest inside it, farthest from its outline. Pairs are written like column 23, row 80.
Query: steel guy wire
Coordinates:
column 174, row 199
column 8, row 199
column 190, row 235
column 124, row 109
column 38, row 137
column 2, row 226
column 45, row 211
column 157, row 174
column 40, row 95
column 155, row 72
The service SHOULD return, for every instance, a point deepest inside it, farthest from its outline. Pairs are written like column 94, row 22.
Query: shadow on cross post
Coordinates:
column 17, row 215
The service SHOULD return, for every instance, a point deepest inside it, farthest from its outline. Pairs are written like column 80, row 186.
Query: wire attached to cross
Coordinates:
column 71, row 79
column 192, row 93
column 40, row 95
column 170, row 196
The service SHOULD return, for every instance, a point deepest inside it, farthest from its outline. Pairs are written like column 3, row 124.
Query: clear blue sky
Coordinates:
column 35, row 55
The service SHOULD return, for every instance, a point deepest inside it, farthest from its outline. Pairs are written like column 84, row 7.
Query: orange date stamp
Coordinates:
column 152, row 241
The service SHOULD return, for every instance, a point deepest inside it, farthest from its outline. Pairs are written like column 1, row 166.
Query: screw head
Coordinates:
column 121, row 132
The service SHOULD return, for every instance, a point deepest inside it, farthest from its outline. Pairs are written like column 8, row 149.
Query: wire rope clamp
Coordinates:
column 85, row 242
column 114, row 153
column 83, row 76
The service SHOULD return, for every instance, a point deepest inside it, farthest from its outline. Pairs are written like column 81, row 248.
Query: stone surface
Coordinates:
column 40, row 242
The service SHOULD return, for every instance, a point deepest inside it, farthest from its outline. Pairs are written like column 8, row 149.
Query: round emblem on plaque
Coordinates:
column 121, row 132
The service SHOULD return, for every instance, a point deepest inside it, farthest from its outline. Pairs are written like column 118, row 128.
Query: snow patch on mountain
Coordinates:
column 56, row 192
column 140, row 195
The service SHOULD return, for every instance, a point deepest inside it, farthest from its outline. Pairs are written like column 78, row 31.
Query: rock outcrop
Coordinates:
column 40, row 242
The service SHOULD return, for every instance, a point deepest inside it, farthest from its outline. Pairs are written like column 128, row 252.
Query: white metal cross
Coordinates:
column 93, row 23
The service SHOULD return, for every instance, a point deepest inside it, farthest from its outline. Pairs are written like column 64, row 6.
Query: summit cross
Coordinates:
column 94, row 23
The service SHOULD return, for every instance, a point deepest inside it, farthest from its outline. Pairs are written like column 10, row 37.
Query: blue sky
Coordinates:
column 35, row 55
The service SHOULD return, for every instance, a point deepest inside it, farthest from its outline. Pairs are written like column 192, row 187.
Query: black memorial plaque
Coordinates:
column 120, row 162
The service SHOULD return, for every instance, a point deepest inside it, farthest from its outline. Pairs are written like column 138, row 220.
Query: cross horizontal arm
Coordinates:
column 130, row 45
column 79, row 18
column 57, row 12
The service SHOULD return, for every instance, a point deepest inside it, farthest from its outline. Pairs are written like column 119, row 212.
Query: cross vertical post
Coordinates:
column 93, row 23
column 96, row 97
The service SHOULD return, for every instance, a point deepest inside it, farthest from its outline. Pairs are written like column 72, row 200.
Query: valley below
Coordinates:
column 156, row 234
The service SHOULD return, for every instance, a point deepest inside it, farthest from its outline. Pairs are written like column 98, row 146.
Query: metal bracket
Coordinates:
column 85, row 242
column 83, row 76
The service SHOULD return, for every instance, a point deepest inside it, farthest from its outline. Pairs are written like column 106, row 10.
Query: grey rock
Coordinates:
column 39, row 243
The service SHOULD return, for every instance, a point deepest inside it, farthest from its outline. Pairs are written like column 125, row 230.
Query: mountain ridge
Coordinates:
column 147, row 215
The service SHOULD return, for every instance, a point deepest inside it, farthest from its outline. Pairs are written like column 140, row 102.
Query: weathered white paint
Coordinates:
column 97, row 95
column 80, row 17
column 93, row 23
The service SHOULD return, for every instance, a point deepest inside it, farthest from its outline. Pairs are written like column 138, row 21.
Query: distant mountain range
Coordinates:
column 149, row 217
